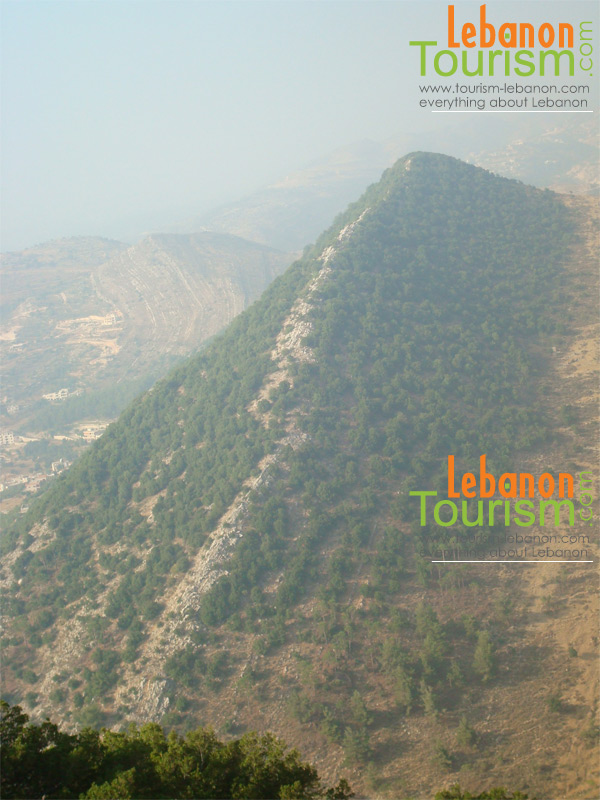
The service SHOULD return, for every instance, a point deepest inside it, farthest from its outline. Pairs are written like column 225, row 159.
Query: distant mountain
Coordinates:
column 562, row 157
column 42, row 287
column 98, row 321
column 241, row 546
column 97, row 306
column 85, row 310
column 292, row 212
column 45, row 268
column 179, row 290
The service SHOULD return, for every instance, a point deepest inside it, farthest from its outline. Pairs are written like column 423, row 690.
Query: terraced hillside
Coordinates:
column 241, row 547
column 100, row 321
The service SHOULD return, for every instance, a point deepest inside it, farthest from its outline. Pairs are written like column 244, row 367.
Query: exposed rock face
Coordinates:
column 100, row 321
column 182, row 606
column 103, row 307
column 180, row 290
column 240, row 546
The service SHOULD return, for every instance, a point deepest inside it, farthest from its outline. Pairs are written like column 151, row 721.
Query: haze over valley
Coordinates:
column 240, row 548
column 299, row 427
column 89, row 323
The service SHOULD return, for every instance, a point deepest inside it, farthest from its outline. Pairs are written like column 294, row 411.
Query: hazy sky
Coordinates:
column 120, row 115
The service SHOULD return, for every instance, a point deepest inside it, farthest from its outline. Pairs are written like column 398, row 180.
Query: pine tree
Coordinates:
column 465, row 735
column 484, row 662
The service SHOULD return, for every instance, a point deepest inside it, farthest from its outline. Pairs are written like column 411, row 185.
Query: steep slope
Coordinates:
column 181, row 290
column 240, row 548
column 102, row 320
column 93, row 303
column 559, row 156
column 46, row 265
column 293, row 211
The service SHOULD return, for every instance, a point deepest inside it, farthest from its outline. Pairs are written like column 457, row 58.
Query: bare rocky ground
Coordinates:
column 550, row 642
column 102, row 319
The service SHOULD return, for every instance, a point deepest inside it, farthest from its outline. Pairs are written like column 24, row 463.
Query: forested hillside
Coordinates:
column 89, row 324
column 241, row 548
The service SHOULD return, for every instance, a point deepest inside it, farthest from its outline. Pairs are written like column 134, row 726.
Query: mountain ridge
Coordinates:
column 292, row 211
column 99, row 321
column 247, row 524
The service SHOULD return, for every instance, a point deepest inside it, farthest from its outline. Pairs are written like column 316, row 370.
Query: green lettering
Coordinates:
column 436, row 513
column 557, row 56
column 423, row 496
column 521, row 507
column 556, row 504
column 520, row 59
column 423, row 46
column 438, row 57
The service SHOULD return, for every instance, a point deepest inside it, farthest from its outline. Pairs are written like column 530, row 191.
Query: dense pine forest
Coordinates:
column 253, row 508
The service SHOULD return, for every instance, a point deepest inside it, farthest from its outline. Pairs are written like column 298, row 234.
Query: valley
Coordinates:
column 240, row 548
column 95, row 322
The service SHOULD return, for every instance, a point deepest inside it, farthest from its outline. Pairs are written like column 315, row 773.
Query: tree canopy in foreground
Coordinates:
column 43, row 761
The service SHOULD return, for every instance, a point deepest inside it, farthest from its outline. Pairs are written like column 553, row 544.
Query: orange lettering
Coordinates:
column 468, row 33
column 564, row 27
column 526, row 41
column 485, row 478
column 546, row 34
column 508, row 477
column 451, row 41
column 525, row 477
column 468, row 482
column 451, row 492
column 511, row 29
column 546, row 477
column 565, row 478
column 485, row 27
